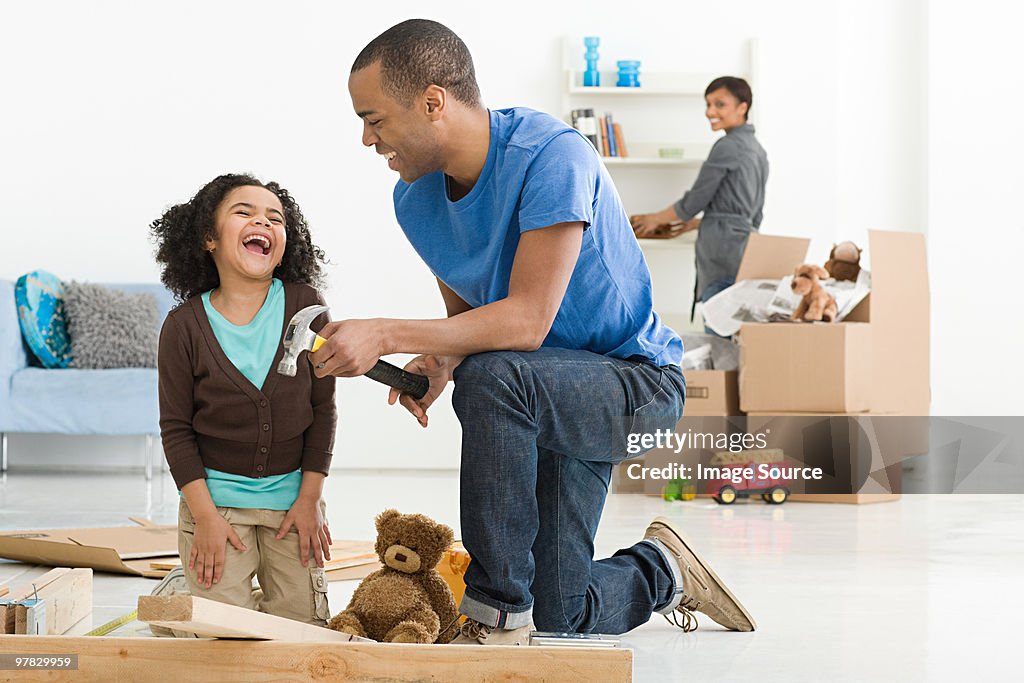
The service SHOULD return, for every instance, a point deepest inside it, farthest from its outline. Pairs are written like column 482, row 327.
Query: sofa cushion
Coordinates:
column 113, row 402
column 110, row 328
column 39, row 297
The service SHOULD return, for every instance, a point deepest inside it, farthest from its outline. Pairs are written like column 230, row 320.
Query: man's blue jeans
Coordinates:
column 541, row 432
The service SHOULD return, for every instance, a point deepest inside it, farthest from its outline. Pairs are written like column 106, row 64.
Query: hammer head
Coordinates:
column 298, row 338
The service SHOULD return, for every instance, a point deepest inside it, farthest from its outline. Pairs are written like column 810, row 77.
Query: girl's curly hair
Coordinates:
column 181, row 234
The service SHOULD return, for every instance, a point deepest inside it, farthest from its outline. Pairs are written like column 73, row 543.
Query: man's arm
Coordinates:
column 543, row 265
column 453, row 303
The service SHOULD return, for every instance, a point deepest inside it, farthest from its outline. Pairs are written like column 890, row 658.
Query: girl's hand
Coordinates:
column 438, row 369
column 209, row 547
column 314, row 536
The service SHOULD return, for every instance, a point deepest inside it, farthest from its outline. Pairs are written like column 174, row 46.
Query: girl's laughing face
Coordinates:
column 250, row 240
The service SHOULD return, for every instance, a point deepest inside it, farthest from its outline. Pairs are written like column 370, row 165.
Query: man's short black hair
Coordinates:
column 739, row 88
column 419, row 53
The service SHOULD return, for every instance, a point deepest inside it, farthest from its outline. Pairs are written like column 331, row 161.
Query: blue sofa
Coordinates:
column 69, row 401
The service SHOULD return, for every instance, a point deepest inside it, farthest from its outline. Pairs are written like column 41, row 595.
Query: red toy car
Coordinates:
column 743, row 480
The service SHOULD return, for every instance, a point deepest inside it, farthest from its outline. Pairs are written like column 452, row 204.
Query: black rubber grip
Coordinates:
column 397, row 378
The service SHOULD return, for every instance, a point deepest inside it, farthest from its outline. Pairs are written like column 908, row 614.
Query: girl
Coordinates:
column 248, row 448
column 729, row 190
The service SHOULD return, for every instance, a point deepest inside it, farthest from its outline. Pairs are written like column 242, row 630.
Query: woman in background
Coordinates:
column 729, row 190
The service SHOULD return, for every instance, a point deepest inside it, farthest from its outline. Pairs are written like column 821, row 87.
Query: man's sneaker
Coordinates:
column 172, row 584
column 475, row 633
column 701, row 589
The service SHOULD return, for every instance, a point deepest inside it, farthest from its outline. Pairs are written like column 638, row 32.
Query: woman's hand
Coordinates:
column 314, row 536
column 652, row 224
column 438, row 369
column 209, row 547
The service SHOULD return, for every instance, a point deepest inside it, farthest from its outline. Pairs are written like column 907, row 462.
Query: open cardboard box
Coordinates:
column 876, row 360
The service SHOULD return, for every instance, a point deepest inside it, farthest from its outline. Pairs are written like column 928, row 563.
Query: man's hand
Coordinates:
column 352, row 348
column 209, row 546
column 314, row 536
column 438, row 369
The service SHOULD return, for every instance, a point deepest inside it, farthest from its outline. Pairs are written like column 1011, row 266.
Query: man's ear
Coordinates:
column 435, row 98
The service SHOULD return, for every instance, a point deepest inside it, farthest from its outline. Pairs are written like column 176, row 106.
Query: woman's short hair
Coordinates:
column 737, row 87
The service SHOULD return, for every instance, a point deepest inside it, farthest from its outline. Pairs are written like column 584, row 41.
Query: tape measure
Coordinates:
column 116, row 623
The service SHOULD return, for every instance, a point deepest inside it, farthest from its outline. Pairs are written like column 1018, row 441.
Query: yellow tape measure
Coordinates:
column 116, row 623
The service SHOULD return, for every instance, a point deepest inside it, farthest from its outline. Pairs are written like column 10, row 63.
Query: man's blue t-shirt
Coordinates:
column 540, row 172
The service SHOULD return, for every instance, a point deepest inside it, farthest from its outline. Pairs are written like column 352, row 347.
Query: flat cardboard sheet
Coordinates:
column 122, row 550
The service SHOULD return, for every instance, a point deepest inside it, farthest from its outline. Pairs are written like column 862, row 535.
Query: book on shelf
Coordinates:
column 602, row 131
column 583, row 120
column 609, row 130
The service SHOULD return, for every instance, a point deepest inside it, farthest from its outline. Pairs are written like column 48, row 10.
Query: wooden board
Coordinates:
column 66, row 601
column 168, row 660
column 848, row 498
column 219, row 620
column 9, row 611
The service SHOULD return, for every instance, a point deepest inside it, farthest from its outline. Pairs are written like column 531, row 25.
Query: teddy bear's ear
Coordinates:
column 444, row 535
column 385, row 517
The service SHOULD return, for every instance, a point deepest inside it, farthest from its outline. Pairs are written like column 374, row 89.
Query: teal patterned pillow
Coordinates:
column 39, row 296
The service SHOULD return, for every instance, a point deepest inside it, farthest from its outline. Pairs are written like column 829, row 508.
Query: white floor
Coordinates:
column 927, row 588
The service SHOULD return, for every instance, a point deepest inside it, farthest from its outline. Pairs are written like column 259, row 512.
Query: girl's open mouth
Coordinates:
column 257, row 243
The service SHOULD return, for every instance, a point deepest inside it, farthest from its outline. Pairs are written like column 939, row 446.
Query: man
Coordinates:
column 551, row 339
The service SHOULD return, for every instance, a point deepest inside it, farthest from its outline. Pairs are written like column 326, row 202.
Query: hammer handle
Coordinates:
column 397, row 378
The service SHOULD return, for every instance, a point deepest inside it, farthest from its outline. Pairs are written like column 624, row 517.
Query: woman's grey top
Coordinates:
column 730, row 191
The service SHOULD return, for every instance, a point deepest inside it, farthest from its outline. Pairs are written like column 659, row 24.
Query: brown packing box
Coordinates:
column 860, row 453
column 876, row 360
column 712, row 392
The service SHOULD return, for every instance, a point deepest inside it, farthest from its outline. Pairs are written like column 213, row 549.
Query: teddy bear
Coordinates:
column 844, row 261
column 817, row 304
column 407, row 601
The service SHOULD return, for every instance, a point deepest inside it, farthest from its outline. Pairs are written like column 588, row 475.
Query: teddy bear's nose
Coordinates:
column 399, row 557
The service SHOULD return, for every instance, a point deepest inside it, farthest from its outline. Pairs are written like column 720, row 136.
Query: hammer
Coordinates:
column 298, row 338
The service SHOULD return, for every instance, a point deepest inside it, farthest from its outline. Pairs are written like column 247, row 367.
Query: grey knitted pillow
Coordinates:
column 109, row 328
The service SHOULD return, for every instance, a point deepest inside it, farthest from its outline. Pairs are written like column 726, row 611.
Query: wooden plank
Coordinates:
column 189, row 660
column 9, row 611
column 29, row 587
column 219, row 620
column 4, row 590
column 62, row 604
column 68, row 600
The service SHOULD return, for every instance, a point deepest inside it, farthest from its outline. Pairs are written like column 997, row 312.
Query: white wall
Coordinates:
column 115, row 110
column 975, row 224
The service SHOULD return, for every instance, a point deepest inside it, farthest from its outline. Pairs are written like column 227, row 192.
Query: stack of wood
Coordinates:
column 48, row 605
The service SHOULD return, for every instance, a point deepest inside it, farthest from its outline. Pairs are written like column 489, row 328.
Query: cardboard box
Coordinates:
column 876, row 360
column 861, row 454
column 712, row 392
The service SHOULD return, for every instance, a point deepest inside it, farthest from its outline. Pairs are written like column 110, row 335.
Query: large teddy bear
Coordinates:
column 407, row 601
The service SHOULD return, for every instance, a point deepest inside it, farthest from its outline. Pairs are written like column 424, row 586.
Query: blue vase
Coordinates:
column 629, row 73
column 591, row 77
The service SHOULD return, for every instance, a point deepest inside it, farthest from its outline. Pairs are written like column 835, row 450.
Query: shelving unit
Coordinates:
column 665, row 111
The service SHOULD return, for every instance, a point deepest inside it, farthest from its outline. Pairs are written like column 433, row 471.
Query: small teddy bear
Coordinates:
column 407, row 601
column 817, row 304
column 844, row 261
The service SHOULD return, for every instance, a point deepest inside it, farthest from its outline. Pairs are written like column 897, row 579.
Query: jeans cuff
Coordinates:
column 676, row 573
column 494, row 617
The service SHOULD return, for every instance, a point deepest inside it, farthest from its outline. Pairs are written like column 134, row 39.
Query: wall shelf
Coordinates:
column 651, row 161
